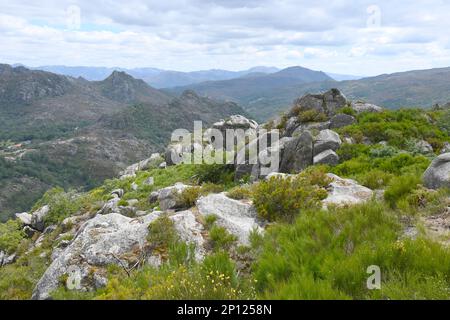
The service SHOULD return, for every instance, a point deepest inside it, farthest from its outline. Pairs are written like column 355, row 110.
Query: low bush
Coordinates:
column 281, row 199
column 240, row 192
column 312, row 116
column 399, row 188
column 188, row 197
column 162, row 233
column 11, row 235
column 220, row 238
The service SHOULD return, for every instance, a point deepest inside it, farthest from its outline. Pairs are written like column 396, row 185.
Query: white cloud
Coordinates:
column 230, row 34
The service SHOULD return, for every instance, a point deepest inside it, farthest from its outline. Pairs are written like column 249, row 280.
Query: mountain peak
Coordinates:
column 189, row 94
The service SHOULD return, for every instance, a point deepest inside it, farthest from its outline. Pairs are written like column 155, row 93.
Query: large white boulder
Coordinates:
column 168, row 197
column 344, row 192
column 190, row 231
column 24, row 217
column 238, row 217
column 101, row 241
column 326, row 140
column 438, row 173
column 38, row 217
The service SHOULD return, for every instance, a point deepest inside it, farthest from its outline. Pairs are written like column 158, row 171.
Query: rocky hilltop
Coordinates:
column 356, row 185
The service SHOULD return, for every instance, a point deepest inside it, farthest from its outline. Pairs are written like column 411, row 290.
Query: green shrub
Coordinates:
column 240, row 192
column 282, row 198
column 215, row 173
column 399, row 188
column 188, row 197
column 348, row 111
column 18, row 280
column 312, row 116
column 209, row 221
column 162, row 233
column 349, row 151
column 220, row 238
column 11, row 235
column 375, row 179
column 65, row 204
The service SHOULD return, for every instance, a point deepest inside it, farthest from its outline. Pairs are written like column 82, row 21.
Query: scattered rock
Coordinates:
column 445, row 148
column 37, row 218
column 127, row 211
column 361, row 107
column 327, row 157
column 438, row 173
column 168, row 197
column 423, row 147
column 326, row 140
column 297, row 154
column 110, row 206
column 6, row 259
column 235, row 122
column 149, row 181
column 29, row 232
column 238, row 217
column 341, row 120
column 134, row 186
column 24, row 217
column 118, row 192
column 142, row 165
column 278, row 175
column 346, row 192
column 438, row 227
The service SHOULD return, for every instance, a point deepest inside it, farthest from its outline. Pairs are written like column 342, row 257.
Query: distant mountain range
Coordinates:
column 266, row 96
column 250, row 91
column 59, row 130
column 159, row 78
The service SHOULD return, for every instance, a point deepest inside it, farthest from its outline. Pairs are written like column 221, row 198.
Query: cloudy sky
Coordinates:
column 342, row 36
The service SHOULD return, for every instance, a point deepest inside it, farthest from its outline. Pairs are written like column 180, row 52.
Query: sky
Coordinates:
column 340, row 36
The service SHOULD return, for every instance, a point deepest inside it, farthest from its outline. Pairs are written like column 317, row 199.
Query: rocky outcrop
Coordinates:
column 438, row 173
column 361, row 107
column 38, row 218
column 423, row 147
column 103, row 240
column 341, row 120
column 312, row 126
column 238, row 217
column 297, row 154
column 130, row 172
column 343, row 192
column 190, row 231
column 326, row 140
column 328, row 157
column 6, row 258
column 168, row 197
column 327, row 103
column 235, row 122
column 24, row 217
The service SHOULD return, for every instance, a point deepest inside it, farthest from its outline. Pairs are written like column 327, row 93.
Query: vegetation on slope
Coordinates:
column 306, row 252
